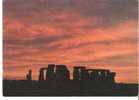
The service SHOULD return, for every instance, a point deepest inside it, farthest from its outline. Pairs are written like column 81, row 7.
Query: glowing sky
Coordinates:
column 95, row 33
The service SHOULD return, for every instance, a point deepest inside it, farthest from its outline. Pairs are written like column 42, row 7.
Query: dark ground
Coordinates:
column 66, row 88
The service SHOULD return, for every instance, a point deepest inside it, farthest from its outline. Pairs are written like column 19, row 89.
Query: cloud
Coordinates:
column 109, row 11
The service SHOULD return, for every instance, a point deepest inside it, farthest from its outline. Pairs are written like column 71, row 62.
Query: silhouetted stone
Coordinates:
column 112, row 77
column 80, row 73
column 54, row 72
column 101, row 76
column 43, row 74
column 29, row 75
column 56, row 82
column 50, row 72
column 62, row 72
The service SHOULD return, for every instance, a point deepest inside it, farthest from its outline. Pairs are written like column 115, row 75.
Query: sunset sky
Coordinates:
column 94, row 33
